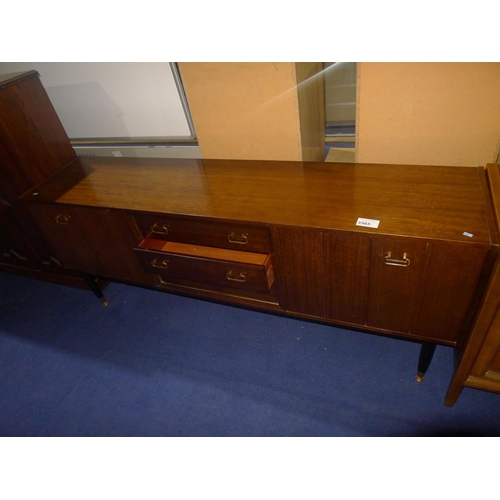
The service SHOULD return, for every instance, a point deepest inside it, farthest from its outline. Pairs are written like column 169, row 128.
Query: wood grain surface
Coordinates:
column 420, row 201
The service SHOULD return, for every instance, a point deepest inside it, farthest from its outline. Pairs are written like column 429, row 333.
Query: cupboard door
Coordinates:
column 347, row 264
column 60, row 227
column 299, row 264
column 91, row 240
column 396, row 269
column 452, row 274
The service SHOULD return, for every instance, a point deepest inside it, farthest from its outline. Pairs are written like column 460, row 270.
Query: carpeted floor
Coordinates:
column 154, row 364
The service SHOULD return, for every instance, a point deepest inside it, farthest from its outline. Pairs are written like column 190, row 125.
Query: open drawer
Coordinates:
column 218, row 266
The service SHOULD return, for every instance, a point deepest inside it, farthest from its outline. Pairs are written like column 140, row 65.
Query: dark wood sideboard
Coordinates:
column 400, row 250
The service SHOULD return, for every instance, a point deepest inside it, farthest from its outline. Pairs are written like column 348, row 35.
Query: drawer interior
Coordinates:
column 186, row 249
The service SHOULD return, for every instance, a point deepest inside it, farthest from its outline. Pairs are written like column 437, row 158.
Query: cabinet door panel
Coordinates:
column 347, row 263
column 112, row 241
column 450, row 279
column 62, row 233
column 300, row 269
column 90, row 240
column 395, row 274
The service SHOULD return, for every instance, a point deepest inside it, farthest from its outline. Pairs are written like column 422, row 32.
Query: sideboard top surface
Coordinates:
column 419, row 201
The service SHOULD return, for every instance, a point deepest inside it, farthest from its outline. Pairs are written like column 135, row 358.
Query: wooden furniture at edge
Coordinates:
column 277, row 236
column 33, row 146
column 478, row 359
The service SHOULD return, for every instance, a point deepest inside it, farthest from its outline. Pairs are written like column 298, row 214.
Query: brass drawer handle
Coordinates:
column 162, row 265
column 15, row 254
column 63, row 219
column 159, row 229
column 240, row 240
column 404, row 262
column 241, row 278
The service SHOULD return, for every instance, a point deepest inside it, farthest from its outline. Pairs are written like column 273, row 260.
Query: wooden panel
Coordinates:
column 34, row 142
column 70, row 246
column 483, row 327
column 112, row 241
column 228, row 273
column 347, row 262
column 451, row 276
column 495, row 363
column 99, row 242
column 241, row 237
column 394, row 289
column 428, row 202
column 299, row 262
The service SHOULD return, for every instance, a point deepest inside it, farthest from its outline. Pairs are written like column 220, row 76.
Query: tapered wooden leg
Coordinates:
column 92, row 283
column 424, row 360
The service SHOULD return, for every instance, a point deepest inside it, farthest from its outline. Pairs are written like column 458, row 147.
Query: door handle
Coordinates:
column 389, row 261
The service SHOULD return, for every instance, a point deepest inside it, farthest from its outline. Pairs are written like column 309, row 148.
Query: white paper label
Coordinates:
column 367, row 222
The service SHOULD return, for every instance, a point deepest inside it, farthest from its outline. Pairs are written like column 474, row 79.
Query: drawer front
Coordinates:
column 242, row 237
column 218, row 272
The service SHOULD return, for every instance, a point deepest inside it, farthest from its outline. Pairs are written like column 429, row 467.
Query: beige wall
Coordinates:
column 251, row 111
column 428, row 113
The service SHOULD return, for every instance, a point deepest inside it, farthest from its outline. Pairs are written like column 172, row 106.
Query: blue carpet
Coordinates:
column 155, row 364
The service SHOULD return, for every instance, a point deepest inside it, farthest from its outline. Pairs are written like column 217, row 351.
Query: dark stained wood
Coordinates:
column 69, row 245
column 346, row 273
column 494, row 364
column 228, row 273
column 451, row 275
column 223, row 229
column 33, row 142
column 299, row 268
column 116, row 258
column 98, row 242
column 394, row 289
column 241, row 237
column 475, row 359
column 33, row 146
column 419, row 201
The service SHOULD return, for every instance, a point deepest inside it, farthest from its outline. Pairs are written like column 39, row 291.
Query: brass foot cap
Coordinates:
column 104, row 302
column 419, row 378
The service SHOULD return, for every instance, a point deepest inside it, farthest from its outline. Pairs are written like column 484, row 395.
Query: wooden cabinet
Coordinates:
column 477, row 360
column 33, row 146
column 401, row 250
column 417, row 288
column 95, row 242
column 233, row 258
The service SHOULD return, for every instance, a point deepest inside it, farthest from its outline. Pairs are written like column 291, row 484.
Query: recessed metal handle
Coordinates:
column 161, row 265
column 242, row 239
column 231, row 276
column 159, row 229
column 63, row 219
column 404, row 262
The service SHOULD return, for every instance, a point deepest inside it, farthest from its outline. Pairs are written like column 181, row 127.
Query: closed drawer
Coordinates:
column 217, row 266
column 241, row 237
